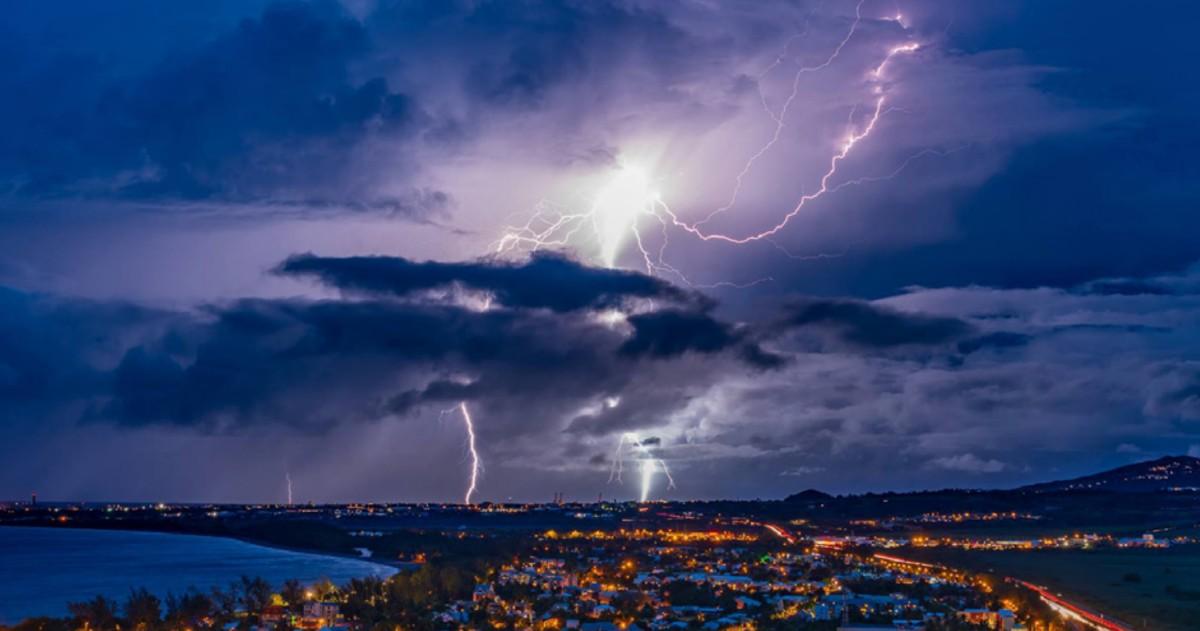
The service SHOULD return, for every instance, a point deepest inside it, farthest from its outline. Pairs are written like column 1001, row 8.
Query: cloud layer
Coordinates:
column 988, row 382
column 263, row 237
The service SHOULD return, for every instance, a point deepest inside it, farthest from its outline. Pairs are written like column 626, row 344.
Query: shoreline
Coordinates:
column 395, row 565
column 110, row 562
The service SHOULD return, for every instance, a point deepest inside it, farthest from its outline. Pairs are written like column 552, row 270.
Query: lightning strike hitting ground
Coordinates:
column 648, row 464
column 476, row 463
column 617, row 209
column 288, row 476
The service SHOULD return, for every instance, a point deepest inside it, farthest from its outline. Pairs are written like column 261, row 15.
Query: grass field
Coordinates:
column 1148, row 589
column 1037, row 530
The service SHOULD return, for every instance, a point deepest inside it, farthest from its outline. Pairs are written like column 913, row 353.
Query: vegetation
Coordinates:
column 1147, row 589
column 406, row 599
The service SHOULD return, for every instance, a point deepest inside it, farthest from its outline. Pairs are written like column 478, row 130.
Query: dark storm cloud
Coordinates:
column 546, row 280
column 1162, row 285
column 555, row 42
column 1176, row 393
column 440, row 391
column 269, row 360
column 1114, row 196
column 56, row 352
column 513, row 55
column 316, row 364
column 672, row 333
column 997, row 339
column 553, row 387
column 1008, row 299
column 866, row 325
column 1124, row 287
column 325, row 110
column 268, row 110
column 299, row 104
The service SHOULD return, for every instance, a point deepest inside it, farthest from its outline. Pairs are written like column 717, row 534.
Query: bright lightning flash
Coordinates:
column 612, row 216
column 476, row 463
column 648, row 464
column 617, row 208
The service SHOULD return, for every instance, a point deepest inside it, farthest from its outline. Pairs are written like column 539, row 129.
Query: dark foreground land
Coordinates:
column 1121, row 542
column 1149, row 589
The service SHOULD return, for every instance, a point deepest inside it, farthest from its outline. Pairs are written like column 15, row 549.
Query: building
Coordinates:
column 1002, row 620
column 319, row 615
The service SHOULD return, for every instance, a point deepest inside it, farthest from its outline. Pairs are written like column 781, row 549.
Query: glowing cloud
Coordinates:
column 648, row 464
column 616, row 210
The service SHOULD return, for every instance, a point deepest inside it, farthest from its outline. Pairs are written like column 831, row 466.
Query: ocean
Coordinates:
column 42, row 569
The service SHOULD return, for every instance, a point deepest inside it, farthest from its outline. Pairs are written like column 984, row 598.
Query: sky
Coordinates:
column 760, row 247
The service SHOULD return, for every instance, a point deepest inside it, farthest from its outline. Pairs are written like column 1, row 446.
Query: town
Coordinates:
column 641, row 567
column 1049, row 557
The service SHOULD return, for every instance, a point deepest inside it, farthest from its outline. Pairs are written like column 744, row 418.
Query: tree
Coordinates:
column 225, row 604
column 292, row 593
column 363, row 598
column 143, row 610
column 99, row 613
column 188, row 609
column 325, row 590
column 256, row 594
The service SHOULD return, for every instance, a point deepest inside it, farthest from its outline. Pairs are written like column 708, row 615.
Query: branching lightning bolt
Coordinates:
column 780, row 118
column 617, row 210
column 852, row 139
column 648, row 464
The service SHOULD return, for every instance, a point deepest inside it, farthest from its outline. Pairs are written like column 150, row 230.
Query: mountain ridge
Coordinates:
column 1168, row 473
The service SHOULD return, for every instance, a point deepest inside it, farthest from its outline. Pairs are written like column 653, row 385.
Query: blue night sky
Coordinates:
column 877, row 245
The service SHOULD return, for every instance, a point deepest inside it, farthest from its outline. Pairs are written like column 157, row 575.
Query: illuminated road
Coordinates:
column 1098, row 620
column 1058, row 603
column 779, row 531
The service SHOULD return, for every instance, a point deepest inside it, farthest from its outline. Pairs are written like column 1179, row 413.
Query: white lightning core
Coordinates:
column 648, row 464
column 617, row 208
column 620, row 209
column 630, row 197
column 476, row 463
column 288, row 476
column 613, row 216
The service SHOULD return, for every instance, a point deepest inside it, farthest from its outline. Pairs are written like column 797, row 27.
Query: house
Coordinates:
column 320, row 615
column 274, row 614
column 1002, row 620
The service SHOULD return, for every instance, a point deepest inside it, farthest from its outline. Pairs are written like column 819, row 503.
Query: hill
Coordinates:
column 808, row 495
column 1172, row 473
